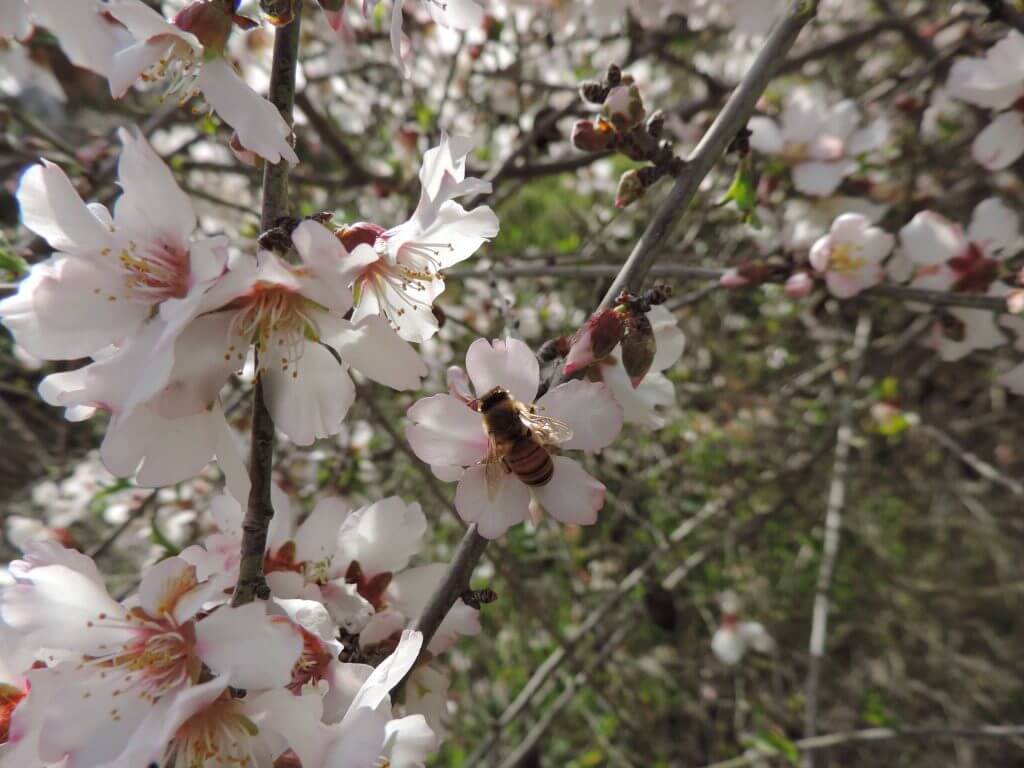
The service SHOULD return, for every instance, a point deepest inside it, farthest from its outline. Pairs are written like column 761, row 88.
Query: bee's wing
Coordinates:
column 493, row 469
column 546, row 429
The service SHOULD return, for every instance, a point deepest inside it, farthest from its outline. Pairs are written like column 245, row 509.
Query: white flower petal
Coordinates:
column 254, row 649
column 572, row 495
column 509, row 505
column 589, row 408
column 506, row 363
column 445, row 431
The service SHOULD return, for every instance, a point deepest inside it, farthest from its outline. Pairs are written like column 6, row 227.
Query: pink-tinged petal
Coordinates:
column 493, row 514
column 1000, row 144
column 373, row 348
column 868, row 139
column 316, row 537
column 152, row 204
column 638, row 404
column 60, row 600
column 875, row 245
column 572, row 495
column 52, row 208
column 849, row 227
column 165, row 585
column 994, row 81
column 506, row 363
column 390, row 672
column 160, row 451
column 669, row 337
column 295, row 720
column 445, row 431
column 581, row 353
column 409, row 741
column 845, row 286
column 208, row 258
column 765, row 135
column 842, row 120
column 409, row 593
column 995, row 228
column 819, row 179
column 447, row 474
column 347, row 607
column 259, row 125
column 86, row 36
column 256, row 650
column 382, row 537
column 930, row 239
column 141, row 20
column 821, row 253
column 68, row 308
column 309, row 399
column 589, row 408
column 345, row 681
column 93, row 719
column 149, row 740
column 128, row 64
column 325, row 255
column 381, row 626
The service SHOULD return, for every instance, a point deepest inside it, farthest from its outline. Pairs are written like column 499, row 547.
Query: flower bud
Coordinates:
column 360, row 233
column 799, row 285
column 631, row 188
column 624, row 107
column 209, row 20
column 638, row 349
column 732, row 279
column 593, row 92
column 596, row 339
column 593, row 137
column 656, row 124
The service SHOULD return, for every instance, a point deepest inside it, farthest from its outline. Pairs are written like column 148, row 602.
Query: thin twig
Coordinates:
column 251, row 583
column 827, row 741
column 983, row 468
column 833, row 524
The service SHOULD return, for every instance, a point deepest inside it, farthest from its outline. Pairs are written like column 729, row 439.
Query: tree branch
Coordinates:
column 251, row 583
column 833, row 524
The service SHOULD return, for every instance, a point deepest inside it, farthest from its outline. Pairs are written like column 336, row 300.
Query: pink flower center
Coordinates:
column 10, row 696
column 153, row 274
column 158, row 659
column 974, row 271
column 312, row 664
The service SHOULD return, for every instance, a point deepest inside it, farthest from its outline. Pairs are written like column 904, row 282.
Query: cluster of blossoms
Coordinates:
column 175, row 675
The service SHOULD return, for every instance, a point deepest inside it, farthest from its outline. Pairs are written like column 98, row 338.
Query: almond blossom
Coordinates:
column 354, row 562
column 295, row 315
column 850, row 256
column 734, row 638
column 941, row 256
column 123, row 669
column 995, row 82
column 820, row 142
column 461, row 15
column 188, row 53
column 402, row 275
column 451, row 436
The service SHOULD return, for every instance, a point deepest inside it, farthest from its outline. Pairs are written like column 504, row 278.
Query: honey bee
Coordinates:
column 518, row 439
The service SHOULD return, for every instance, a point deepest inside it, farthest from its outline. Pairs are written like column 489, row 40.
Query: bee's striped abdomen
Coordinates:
column 530, row 461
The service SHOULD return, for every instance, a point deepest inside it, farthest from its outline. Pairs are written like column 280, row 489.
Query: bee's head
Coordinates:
column 493, row 398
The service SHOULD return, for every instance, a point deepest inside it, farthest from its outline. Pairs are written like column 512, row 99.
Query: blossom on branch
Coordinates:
column 819, row 141
column 995, row 82
column 454, row 438
column 401, row 276
column 188, row 53
column 734, row 638
column 850, row 256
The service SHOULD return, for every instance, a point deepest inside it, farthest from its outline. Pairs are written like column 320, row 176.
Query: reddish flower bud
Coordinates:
column 242, row 154
column 799, row 285
column 631, row 188
column 209, row 20
column 638, row 349
column 593, row 137
column 360, row 233
column 596, row 339
column 733, row 279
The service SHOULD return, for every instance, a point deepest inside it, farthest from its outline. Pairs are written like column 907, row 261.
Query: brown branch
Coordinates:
column 734, row 116
column 251, row 583
column 1001, row 10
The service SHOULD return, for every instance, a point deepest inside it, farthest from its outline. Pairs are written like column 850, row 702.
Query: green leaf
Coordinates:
column 11, row 264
